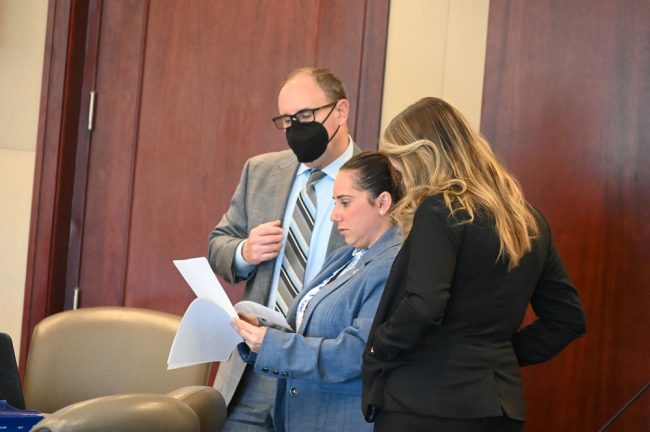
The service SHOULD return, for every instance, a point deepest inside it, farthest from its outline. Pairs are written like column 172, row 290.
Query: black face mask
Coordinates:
column 309, row 140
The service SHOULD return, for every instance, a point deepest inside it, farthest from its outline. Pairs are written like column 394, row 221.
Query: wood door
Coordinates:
column 566, row 104
column 185, row 91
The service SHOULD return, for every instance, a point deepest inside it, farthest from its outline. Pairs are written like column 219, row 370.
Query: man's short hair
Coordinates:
column 327, row 81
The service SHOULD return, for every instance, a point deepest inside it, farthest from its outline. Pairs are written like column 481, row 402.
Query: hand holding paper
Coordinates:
column 205, row 333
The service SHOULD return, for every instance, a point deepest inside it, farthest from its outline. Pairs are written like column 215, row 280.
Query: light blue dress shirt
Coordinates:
column 322, row 227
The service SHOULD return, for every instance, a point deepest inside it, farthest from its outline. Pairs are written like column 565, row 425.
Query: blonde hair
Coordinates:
column 438, row 152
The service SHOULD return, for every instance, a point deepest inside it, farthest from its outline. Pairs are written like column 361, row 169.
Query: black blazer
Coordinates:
column 446, row 339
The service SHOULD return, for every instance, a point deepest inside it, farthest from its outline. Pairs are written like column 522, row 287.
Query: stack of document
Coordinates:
column 205, row 333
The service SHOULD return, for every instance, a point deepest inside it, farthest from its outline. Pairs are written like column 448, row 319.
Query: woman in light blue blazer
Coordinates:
column 318, row 366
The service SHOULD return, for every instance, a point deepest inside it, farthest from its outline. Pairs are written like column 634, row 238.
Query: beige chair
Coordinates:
column 93, row 362
column 135, row 412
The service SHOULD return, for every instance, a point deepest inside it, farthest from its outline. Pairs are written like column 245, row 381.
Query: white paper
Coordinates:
column 200, row 277
column 205, row 334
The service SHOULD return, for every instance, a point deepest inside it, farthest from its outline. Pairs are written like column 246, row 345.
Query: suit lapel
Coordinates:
column 280, row 178
column 389, row 239
column 325, row 272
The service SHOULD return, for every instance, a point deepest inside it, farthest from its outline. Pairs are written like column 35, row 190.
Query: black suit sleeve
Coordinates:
column 428, row 278
column 560, row 314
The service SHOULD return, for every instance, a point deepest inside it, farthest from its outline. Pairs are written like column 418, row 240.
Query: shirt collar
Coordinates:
column 333, row 168
column 358, row 251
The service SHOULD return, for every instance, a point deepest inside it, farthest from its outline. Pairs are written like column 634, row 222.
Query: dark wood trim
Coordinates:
column 83, row 151
column 55, row 164
column 371, row 78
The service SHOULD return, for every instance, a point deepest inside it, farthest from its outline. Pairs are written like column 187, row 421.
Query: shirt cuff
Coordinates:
column 246, row 354
column 242, row 268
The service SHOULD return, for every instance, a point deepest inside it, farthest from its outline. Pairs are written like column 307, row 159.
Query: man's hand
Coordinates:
column 253, row 335
column 263, row 242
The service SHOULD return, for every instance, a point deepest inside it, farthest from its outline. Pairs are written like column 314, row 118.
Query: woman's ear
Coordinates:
column 384, row 202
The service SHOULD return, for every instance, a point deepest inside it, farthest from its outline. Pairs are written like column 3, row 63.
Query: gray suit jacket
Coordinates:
column 319, row 366
column 261, row 196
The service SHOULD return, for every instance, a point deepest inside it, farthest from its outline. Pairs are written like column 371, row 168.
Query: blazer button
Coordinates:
column 265, row 369
column 294, row 391
column 276, row 372
column 285, row 374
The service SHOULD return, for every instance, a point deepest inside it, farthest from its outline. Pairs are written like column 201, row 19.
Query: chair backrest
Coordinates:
column 92, row 352
column 10, row 389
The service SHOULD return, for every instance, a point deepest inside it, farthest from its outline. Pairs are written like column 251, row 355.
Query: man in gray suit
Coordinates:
column 279, row 194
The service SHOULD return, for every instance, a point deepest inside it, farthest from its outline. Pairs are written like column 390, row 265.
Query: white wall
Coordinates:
column 436, row 48
column 22, row 40
column 16, row 173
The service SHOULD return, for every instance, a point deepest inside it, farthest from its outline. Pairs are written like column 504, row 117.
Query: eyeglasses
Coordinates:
column 303, row 116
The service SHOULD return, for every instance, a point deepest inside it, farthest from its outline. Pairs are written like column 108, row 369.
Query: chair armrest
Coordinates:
column 208, row 404
column 122, row 412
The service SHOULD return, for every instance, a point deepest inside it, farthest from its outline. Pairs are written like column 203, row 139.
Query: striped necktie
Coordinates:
column 296, row 249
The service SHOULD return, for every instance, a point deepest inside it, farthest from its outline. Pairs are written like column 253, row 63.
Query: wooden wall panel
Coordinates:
column 565, row 106
column 105, row 241
column 361, row 27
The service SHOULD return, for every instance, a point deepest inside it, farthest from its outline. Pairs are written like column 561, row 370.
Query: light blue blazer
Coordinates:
column 319, row 366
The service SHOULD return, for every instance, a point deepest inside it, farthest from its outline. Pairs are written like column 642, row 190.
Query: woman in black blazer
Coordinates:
column 445, row 346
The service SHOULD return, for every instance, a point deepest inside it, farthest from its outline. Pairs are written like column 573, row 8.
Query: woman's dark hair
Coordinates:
column 374, row 174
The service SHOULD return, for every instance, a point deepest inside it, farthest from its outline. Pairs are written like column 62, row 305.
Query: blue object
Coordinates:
column 12, row 419
column 10, row 389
